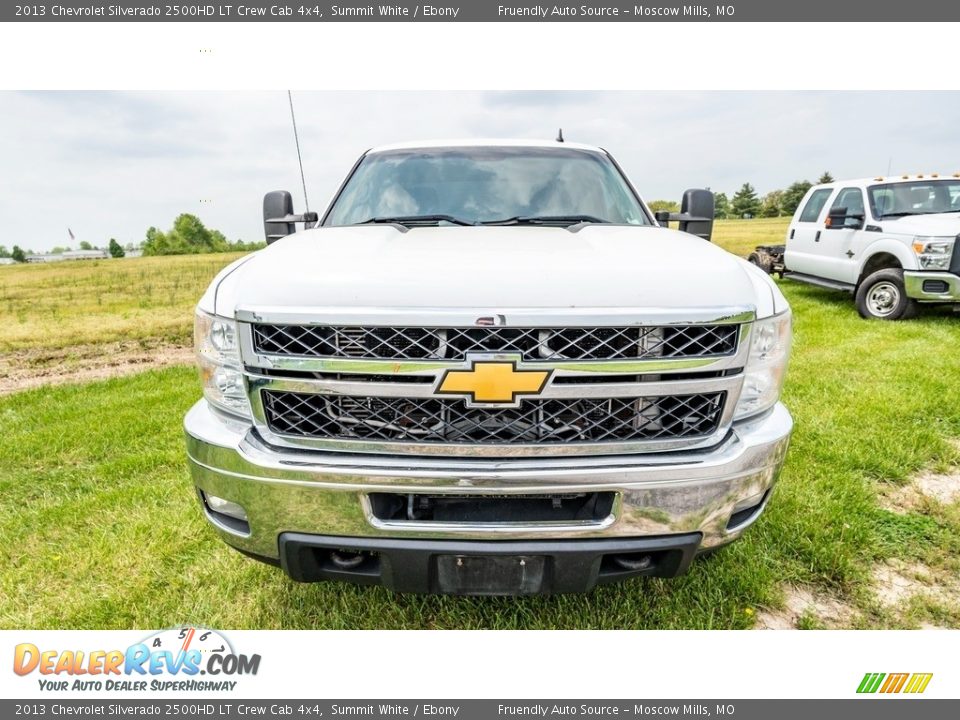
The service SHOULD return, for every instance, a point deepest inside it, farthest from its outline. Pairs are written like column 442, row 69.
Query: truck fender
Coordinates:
column 876, row 256
column 770, row 300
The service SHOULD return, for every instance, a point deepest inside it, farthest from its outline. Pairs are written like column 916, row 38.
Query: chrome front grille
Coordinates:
column 455, row 343
column 543, row 422
column 375, row 380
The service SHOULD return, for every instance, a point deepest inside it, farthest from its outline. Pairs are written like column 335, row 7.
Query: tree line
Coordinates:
column 747, row 203
column 190, row 236
column 113, row 247
column 187, row 236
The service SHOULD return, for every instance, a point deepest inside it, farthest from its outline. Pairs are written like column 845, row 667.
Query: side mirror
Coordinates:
column 662, row 217
column 840, row 219
column 277, row 204
column 278, row 218
column 696, row 213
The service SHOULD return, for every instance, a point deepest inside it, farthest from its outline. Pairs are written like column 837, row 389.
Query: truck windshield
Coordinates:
column 475, row 185
column 923, row 197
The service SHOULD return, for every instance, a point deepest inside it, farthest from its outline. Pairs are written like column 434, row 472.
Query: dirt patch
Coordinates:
column 942, row 488
column 801, row 602
column 28, row 369
column 922, row 489
column 896, row 583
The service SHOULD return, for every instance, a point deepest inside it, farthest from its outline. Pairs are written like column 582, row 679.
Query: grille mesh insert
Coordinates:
column 341, row 417
column 405, row 343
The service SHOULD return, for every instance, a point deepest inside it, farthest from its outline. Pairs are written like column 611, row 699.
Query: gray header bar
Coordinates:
column 482, row 11
column 874, row 708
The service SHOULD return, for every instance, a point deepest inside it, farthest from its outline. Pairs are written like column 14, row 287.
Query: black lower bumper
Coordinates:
column 484, row 567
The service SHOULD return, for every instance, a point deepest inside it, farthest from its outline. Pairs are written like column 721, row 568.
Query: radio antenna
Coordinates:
column 296, row 139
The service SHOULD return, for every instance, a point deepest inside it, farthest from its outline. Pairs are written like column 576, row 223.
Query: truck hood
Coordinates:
column 939, row 225
column 599, row 266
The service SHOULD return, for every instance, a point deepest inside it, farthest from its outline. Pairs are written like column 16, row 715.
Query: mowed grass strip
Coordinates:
column 99, row 525
column 741, row 236
column 50, row 306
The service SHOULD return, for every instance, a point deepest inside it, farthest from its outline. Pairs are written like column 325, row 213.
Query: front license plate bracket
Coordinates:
column 490, row 574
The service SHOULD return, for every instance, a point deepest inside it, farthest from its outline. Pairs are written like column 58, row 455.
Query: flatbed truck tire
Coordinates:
column 883, row 296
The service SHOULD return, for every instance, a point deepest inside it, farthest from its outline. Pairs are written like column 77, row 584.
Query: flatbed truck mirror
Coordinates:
column 841, row 219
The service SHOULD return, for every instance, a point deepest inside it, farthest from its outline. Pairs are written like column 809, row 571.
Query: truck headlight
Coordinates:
column 766, row 365
column 218, row 356
column 934, row 253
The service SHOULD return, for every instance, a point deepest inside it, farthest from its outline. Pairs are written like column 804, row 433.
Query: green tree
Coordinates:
column 721, row 205
column 58, row 250
column 84, row 245
column 18, row 255
column 115, row 249
column 156, row 243
column 4, row 253
column 187, row 236
column 665, row 205
column 745, row 202
column 772, row 205
column 793, row 195
column 825, row 178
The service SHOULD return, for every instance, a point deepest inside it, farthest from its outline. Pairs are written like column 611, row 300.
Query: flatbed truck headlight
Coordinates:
column 933, row 253
column 766, row 365
column 218, row 357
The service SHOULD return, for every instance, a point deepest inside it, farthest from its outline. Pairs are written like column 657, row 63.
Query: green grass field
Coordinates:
column 741, row 236
column 99, row 525
column 58, row 305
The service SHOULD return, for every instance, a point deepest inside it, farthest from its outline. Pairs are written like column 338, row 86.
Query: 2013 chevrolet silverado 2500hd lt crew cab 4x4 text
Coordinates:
column 487, row 369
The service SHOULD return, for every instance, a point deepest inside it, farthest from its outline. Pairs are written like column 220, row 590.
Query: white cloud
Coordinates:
column 113, row 164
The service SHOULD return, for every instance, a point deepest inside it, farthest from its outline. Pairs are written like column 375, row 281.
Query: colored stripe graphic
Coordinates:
column 918, row 682
column 894, row 683
column 870, row 682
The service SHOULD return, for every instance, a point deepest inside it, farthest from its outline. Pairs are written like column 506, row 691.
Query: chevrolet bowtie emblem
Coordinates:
column 493, row 381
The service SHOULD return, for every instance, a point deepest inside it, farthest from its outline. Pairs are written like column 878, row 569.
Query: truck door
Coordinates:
column 803, row 238
column 837, row 241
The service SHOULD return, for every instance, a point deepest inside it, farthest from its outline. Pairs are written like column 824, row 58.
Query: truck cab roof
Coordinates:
column 490, row 142
column 886, row 180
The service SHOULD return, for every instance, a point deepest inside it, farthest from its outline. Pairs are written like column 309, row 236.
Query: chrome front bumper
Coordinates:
column 919, row 286
column 324, row 493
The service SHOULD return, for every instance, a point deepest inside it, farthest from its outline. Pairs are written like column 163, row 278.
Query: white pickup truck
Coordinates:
column 487, row 369
column 890, row 241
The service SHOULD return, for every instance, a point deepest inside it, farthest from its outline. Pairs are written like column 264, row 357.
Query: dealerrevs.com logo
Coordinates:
column 180, row 659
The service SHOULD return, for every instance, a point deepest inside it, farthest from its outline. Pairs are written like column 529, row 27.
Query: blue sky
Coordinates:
column 113, row 164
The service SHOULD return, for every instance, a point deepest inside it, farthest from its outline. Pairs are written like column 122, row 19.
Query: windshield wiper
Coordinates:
column 903, row 214
column 562, row 220
column 415, row 220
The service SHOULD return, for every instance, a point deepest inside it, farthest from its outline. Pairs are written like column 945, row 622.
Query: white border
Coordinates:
column 478, row 56
column 503, row 56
